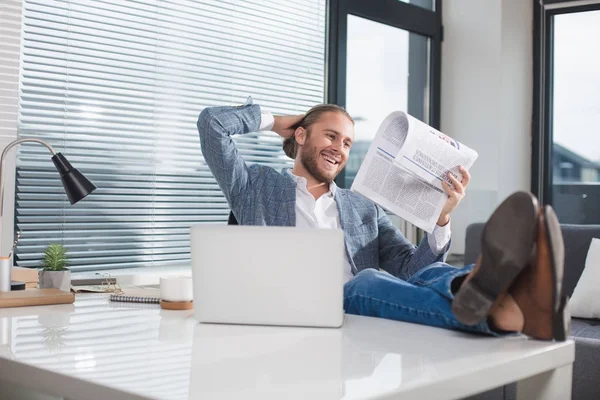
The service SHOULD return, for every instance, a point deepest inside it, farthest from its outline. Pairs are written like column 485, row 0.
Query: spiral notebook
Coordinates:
column 137, row 295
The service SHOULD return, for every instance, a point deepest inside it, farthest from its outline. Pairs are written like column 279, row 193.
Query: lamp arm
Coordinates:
column 2, row 162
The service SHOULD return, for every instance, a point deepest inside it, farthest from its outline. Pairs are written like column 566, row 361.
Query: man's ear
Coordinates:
column 300, row 135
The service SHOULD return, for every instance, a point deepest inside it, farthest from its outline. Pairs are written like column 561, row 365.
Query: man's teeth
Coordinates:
column 329, row 159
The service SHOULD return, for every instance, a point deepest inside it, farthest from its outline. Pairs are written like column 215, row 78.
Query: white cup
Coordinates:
column 5, row 271
column 176, row 288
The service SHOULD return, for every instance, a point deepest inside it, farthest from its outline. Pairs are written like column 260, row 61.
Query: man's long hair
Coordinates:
column 290, row 147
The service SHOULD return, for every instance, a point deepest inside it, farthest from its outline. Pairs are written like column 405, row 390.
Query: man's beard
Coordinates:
column 310, row 159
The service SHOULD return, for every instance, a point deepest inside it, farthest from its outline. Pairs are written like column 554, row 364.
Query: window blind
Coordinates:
column 117, row 87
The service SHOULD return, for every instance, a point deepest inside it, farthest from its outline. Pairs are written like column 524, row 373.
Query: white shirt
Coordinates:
column 323, row 212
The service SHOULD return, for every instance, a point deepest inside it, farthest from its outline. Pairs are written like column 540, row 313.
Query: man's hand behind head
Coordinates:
column 285, row 125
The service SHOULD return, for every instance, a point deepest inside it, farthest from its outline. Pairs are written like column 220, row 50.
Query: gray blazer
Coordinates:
column 260, row 195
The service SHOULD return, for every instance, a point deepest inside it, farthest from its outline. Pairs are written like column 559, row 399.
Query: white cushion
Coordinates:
column 585, row 302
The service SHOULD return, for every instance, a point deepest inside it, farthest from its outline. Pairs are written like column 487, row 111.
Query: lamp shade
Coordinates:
column 76, row 185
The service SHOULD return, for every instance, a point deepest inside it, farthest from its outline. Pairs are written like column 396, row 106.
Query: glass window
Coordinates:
column 428, row 4
column 118, row 86
column 575, row 118
column 387, row 70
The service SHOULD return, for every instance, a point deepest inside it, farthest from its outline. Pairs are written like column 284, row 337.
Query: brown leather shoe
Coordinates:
column 538, row 289
column 507, row 243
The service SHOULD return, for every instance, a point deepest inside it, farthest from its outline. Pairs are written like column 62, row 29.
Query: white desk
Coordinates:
column 95, row 349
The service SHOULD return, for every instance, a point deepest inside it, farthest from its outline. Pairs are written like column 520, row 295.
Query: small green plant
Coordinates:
column 55, row 258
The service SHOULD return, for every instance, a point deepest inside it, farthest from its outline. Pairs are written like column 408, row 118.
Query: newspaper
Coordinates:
column 405, row 166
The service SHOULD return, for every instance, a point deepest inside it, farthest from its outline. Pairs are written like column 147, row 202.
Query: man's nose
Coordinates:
column 337, row 145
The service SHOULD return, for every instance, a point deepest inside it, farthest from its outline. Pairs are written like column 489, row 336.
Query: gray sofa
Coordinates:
column 585, row 332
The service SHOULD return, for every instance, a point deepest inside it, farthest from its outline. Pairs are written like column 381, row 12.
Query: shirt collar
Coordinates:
column 301, row 182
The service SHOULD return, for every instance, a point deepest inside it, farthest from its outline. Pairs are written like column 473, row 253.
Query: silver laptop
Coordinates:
column 261, row 275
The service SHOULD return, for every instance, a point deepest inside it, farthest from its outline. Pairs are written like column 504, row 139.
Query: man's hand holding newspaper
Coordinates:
column 456, row 193
column 415, row 171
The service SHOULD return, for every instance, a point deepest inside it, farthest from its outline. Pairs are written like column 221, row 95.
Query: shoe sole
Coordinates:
column 506, row 248
column 561, row 321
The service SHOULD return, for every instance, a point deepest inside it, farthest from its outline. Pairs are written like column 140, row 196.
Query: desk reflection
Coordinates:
column 231, row 361
column 236, row 361
column 168, row 355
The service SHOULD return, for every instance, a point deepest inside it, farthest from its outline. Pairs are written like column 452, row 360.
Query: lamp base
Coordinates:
column 16, row 285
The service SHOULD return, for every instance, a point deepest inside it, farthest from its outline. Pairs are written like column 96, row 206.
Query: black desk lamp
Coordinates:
column 76, row 185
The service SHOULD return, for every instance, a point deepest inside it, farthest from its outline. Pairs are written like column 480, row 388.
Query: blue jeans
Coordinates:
column 426, row 298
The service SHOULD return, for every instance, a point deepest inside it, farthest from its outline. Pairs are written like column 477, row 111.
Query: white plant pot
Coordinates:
column 55, row 279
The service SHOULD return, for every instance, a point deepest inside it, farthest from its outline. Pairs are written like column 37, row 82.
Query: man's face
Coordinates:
column 327, row 145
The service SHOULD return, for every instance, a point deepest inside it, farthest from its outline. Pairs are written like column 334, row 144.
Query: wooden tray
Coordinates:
column 176, row 305
column 35, row 297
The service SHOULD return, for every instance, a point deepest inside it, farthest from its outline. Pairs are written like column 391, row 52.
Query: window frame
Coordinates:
column 542, row 137
column 410, row 17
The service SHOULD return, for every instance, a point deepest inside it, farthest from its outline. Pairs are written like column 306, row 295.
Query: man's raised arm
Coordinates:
column 216, row 126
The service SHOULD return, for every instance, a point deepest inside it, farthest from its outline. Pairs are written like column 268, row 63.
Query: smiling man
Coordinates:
column 416, row 285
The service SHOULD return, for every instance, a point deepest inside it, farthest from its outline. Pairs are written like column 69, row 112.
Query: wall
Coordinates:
column 487, row 85
column 10, row 48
